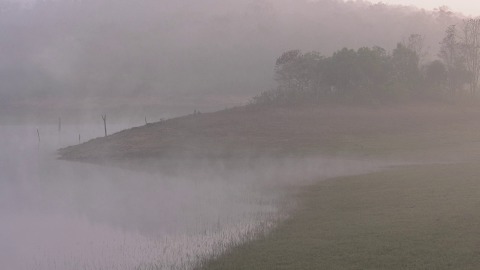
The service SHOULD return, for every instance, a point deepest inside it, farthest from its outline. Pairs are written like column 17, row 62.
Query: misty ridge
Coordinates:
column 129, row 59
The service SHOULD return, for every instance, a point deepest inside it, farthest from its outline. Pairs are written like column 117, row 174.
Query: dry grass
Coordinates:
column 286, row 131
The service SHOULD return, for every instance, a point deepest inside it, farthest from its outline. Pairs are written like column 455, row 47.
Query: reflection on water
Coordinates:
column 67, row 215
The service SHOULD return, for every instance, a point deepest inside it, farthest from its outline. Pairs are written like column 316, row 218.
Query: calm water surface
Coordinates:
column 66, row 215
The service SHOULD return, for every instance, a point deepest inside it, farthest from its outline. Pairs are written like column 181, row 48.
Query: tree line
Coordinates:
column 372, row 74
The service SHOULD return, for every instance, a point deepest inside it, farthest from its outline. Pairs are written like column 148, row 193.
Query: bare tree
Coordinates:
column 451, row 57
column 449, row 46
column 104, row 117
column 416, row 43
column 471, row 51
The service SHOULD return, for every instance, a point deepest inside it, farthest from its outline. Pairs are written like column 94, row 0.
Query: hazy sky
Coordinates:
column 167, row 58
column 467, row 7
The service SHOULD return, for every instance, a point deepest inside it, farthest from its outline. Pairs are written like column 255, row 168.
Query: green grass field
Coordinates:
column 415, row 217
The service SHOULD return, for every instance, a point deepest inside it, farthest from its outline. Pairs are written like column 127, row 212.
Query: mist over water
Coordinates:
column 67, row 215
column 143, row 61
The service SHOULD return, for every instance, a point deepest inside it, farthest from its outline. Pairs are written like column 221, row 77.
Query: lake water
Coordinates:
column 57, row 214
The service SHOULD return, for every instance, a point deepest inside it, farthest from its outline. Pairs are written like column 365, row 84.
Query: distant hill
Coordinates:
column 75, row 59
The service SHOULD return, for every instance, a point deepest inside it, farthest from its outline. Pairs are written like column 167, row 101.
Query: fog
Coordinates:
column 131, row 59
column 142, row 61
column 68, row 215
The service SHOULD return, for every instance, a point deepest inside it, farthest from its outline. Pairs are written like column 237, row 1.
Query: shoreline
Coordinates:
column 408, row 142
column 386, row 219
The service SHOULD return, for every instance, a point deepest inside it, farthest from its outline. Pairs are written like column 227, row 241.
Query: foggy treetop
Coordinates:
column 86, row 57
column 374, row 75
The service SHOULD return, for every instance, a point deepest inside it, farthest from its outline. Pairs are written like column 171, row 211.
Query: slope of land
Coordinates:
column 419, row 217
column 407, row 217
column 273, row 131
column 410, row 217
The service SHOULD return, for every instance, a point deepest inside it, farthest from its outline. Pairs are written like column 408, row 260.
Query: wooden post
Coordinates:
column 38, row 136
column 104, row 117
column 59, row 130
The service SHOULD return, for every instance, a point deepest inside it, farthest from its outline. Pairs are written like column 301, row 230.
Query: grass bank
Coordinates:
column 286, row 131
column 417, row 217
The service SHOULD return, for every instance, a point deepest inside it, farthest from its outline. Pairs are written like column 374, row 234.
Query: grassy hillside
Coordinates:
column 309, row 130
column 422, row 217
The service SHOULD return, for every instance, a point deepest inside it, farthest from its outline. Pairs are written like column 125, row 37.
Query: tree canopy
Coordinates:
column 372, row 74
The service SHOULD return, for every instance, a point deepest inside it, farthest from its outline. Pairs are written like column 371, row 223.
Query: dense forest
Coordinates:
column 372, row 74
